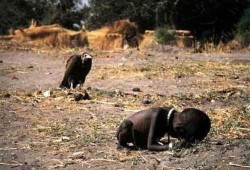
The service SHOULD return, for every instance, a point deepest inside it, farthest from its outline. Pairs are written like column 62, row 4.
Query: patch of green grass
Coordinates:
column 89, row 138
column 103, row 92
column 58, row 129
column 182, row 70
column 165, row 35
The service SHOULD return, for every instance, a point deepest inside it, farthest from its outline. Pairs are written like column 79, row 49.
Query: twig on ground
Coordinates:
column 7, row 149
column 100, row 159
column 17, row 164
column 246, row 129
column 144, row 158
column 157, row 159
column 91, row 113
column 102, row 102
column 238, row 165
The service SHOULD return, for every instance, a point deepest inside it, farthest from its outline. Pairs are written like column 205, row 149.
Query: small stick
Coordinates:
column 91, row 113
column 157, row 159
column 18, row 164
column 247, row 129
column 103, row 102
column 144, row 158
column 107, row 160
column 238, row 165
column 7, row 149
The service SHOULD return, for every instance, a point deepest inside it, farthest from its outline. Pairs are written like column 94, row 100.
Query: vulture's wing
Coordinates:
column 70, row 60
column 71, row 64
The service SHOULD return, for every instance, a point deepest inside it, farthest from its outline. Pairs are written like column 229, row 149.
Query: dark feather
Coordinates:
column 77, row 68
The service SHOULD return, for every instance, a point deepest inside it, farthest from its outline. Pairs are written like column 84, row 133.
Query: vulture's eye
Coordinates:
column 87, row 56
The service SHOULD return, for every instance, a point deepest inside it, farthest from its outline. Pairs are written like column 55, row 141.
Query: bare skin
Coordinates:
column 145, row 128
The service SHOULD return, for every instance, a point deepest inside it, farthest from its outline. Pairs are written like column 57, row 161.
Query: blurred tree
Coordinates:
column 14, row 14
column 19, row 13
column 146, row 13
column 209, row 20
column 62, row 12
column 243, row 29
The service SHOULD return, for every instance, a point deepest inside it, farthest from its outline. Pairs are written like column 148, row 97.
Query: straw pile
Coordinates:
column 147, row 39
column 121, row 34
column 117, row 36
column 50, row 35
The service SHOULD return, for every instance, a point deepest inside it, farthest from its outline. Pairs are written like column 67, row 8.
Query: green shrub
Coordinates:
column 243, row 29
column 164, row 35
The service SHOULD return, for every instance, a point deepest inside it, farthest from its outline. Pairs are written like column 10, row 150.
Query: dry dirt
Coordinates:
column 56, row 132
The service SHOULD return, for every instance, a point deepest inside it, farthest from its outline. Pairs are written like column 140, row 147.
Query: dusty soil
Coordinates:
column 56, row 132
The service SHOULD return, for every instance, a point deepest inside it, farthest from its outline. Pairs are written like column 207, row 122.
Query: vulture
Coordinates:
column 77, row 68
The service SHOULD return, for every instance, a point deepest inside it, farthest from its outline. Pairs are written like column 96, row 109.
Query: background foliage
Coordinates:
column 243, row 28
column 213, row 20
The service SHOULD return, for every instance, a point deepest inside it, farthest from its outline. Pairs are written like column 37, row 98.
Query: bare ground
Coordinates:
column 56, row 132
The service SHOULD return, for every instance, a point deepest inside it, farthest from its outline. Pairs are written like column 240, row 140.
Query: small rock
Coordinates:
column 136, row 89
column 146, row 101
column 78, row 96
column 34, row 102
column 235, row 77
column 38, row 92
column 1, row 61
column 118, row 92
column 78, row 155
column 247, row 109
column 6, row 95
column 29, row 95
column 218, row 143
column 86, row 96
column 65, row 139
column 118, row 105
column 177, row 155
column 121, row 64
column 219, row 74
column 69, row 93
column 14, row 78
column 46, row 93
column 13, row 155
column 81, row 96
column 170, row 145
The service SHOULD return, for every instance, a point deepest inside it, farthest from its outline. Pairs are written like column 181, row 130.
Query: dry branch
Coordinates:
column 7, row 164
column 238, row 165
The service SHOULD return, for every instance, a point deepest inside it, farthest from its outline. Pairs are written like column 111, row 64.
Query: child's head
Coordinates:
column 191, row 124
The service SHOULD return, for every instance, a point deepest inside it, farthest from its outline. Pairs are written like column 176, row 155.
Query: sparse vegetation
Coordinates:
column 165, row 35
column 56, row 131
column 243, row 29
column 210, row 22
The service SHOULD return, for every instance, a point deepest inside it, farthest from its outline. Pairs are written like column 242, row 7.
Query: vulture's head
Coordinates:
column 86, row 57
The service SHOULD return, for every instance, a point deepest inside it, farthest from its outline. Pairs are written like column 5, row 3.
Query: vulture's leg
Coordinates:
column 71, row 85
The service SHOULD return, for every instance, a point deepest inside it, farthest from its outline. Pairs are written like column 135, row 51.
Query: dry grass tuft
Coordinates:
column 51, row 35
column 148, row 39
column 115, row 37
column 62, row 126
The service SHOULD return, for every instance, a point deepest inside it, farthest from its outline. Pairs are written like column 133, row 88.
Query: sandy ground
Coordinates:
column 56, row 132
